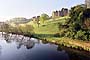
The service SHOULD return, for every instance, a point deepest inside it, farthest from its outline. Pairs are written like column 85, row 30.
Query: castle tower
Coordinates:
column 87, row 2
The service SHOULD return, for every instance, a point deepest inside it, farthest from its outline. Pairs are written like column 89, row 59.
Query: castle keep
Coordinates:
column 87, row 3
column 63, row 12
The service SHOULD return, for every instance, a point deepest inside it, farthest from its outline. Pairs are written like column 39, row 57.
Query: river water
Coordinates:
column 18, row 47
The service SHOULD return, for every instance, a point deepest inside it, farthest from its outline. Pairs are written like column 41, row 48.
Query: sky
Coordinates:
column 29, row 8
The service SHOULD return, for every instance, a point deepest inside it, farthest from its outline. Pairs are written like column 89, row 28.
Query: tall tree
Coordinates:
column 76, row 14
column 43, row 17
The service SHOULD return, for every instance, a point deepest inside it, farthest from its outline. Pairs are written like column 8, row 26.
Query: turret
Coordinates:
column 87, row 3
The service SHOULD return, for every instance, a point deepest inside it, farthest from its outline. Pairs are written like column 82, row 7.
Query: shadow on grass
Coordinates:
column 42, row 35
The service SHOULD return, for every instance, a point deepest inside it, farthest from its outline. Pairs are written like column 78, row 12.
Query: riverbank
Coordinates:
column 68, row 42
column 49, row 31
column 35, row 46
column 64, row 41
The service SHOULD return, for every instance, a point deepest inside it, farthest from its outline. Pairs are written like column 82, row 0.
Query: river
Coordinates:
column 19, row 47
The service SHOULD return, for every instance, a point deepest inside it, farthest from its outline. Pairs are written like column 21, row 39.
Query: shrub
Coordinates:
column 80, row 35
column 62, row 33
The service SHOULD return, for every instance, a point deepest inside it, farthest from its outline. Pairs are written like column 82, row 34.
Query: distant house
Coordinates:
column 63, row 12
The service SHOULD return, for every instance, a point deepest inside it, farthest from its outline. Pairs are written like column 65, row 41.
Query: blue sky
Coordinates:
column 29, row 8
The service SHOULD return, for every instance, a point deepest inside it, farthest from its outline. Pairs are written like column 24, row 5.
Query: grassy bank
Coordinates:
column 67, row 42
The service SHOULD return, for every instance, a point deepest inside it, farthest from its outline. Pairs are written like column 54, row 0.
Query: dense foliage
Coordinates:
column 18, row 29
column 78, row 24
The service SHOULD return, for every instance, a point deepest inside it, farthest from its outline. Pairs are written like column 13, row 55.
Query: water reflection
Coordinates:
column 45, row 42
column 38, row 50
column 20, row 40
column 75, row 54
column 0, row 49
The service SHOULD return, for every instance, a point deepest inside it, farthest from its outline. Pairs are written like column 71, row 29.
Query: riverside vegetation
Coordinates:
column 72, row 31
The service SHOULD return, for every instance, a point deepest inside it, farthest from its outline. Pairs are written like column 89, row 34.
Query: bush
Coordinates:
column 70, row 34
column 62, row 33
column 81, row 35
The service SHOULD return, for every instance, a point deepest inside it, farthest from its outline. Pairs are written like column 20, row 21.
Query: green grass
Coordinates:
column 49, row 26
column 47, row 29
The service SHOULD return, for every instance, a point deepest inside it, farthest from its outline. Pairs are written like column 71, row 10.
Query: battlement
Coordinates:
column 63, row 12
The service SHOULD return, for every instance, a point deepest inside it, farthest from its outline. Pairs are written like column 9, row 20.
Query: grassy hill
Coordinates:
column 49, row 26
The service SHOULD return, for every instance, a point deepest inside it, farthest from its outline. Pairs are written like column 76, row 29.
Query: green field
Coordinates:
column 49, row 26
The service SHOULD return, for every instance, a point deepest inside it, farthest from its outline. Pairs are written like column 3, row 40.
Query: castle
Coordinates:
column 87, row 3
column 63, row 12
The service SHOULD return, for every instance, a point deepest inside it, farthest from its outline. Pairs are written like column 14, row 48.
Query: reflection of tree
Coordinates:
column 19, row 45
column 27, row 43
column 59, row 48
column 44, row 42
column 0, row 48
column 21, row 40
column 6, row 37
column 74, row 54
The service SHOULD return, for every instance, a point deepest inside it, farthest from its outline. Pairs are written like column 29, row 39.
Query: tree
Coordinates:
column 76, row 14
column 43, row 17
column 86, row 18
column 6, row 27
column 80, row 22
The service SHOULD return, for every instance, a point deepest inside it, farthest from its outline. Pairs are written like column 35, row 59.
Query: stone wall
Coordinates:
column 63, row 12
column 87, row 2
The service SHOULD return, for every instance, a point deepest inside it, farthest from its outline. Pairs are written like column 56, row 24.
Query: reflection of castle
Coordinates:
column 63, row 12
column 87, row 2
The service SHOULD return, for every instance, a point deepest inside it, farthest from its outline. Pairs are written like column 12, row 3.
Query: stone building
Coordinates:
column 36, row 19
column 87, row 2
column 55, row 14
column 63, row 12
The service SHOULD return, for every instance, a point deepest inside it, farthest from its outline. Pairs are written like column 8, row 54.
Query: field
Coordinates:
column 49, row 26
